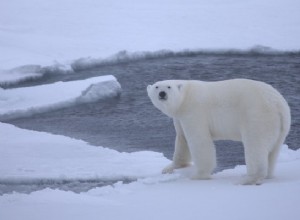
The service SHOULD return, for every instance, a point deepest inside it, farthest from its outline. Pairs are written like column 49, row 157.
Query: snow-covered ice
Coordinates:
column 35, row 155
column 31, row 100
column 57, row 32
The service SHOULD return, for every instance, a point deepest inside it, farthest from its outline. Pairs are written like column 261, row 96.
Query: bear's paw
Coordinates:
column 168, row 169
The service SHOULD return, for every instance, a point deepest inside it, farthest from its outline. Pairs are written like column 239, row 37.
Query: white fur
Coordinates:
column 240, row 110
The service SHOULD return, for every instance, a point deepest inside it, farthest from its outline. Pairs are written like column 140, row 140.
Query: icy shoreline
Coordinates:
column 39, row 157
column 34, row 72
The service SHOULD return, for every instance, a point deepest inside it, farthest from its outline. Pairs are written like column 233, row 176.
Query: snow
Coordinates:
column 152, row 196
column 31, row 100
column 57, row 32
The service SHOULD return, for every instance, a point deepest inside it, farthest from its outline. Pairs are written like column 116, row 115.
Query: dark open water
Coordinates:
column 130, row 123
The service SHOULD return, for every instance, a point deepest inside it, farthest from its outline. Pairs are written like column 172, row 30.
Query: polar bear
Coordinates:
column 240, row 110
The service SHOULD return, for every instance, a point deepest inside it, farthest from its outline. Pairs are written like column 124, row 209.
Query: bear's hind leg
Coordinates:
column 256, row 156
column 273, row 159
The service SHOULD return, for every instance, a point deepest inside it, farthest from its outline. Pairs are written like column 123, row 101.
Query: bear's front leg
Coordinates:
column 204, row 157
column 182, row 156
column 202, row 150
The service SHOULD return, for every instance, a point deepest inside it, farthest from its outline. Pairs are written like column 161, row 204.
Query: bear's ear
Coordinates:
column 148, row 88
column 179, row 86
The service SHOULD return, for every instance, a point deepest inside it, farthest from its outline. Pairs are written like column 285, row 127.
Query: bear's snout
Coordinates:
column 162, row 95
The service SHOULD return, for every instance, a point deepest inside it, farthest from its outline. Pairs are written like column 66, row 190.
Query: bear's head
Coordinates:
column 167, row 96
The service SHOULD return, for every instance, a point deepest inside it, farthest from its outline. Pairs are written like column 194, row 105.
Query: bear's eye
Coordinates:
column 169, row 87
column 156, row 87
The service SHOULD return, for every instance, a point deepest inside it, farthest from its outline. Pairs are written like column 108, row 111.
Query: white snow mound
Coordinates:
column 27, row 101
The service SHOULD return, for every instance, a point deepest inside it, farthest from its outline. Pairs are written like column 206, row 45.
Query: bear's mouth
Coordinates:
column 163, row 99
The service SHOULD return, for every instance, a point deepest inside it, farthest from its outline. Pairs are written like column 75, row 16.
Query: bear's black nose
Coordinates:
column 162, row 95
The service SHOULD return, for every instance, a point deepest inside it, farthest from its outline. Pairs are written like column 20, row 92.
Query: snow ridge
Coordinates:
column 126, row 56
